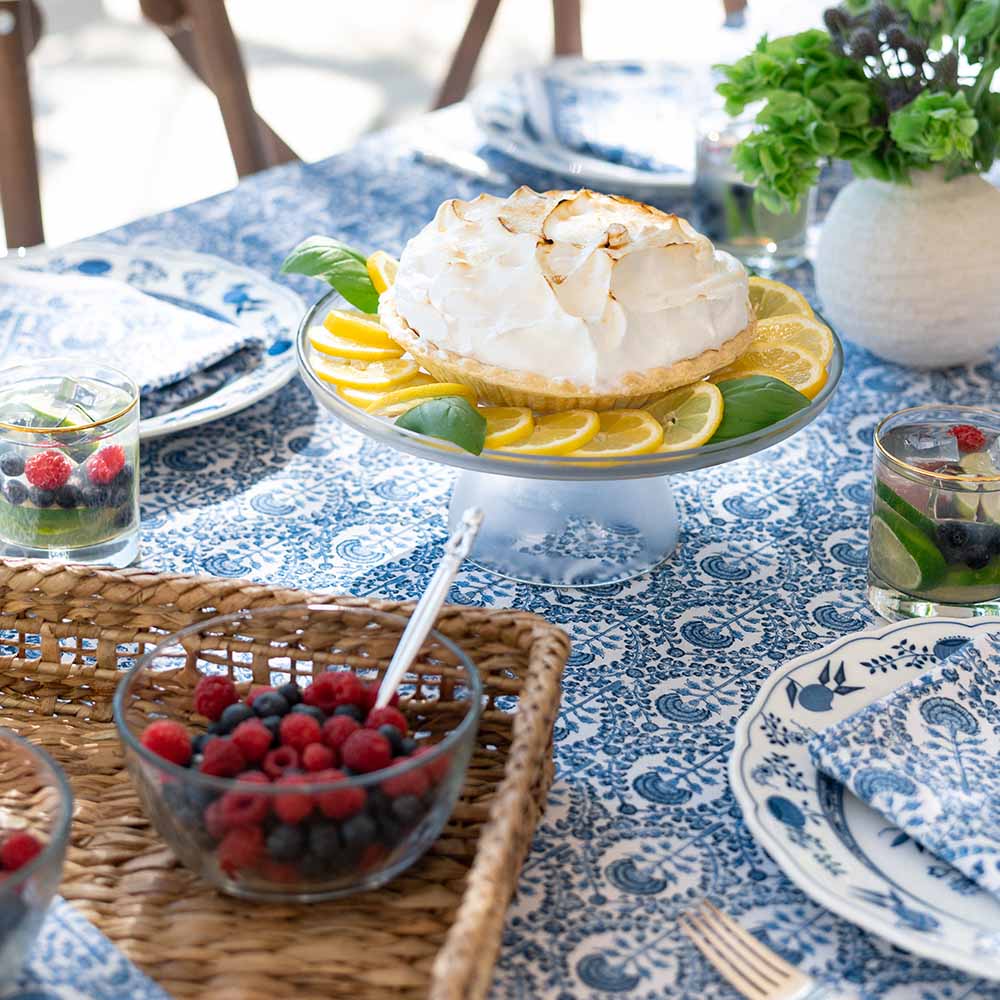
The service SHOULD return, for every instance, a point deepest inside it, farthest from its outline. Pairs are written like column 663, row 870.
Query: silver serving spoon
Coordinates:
column 426, row 611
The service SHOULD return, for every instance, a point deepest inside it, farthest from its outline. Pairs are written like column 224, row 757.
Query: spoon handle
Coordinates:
column 424, row 615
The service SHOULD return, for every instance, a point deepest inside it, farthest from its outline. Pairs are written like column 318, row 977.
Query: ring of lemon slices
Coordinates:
column 353, row 353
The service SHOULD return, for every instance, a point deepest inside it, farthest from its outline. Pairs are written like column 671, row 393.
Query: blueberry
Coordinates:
column 215, row 729
column 42, row 498
column 993, row 543
column 94, row 497
column 977, row 556
column 12, row 913
column 408, row 809
column 273, row 723
column 290, row 692
column 270, row 703
column 358, row 832
column 15, row 492
column 233, row 715
column 395, row 738
column 286, row 842
column 953, row 534
column 316, row 713
column 198, row 743
column 324, row 840
column 11, row 464
column 67, row 496
column 408, row 747
column 352, row 710
column 313, row 866
column 201, row 797
column 123, row 517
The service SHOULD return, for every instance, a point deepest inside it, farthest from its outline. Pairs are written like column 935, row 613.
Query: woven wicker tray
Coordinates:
column 433, row 932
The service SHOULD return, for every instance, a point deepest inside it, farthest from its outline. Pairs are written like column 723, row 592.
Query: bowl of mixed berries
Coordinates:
column 258, row 753
column 36, row 807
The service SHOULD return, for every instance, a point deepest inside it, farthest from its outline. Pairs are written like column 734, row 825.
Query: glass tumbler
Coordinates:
column 69, row 463
column 934, row 540
column 725, row 209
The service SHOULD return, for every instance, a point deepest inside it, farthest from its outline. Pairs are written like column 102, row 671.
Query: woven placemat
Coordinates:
column 433, row 932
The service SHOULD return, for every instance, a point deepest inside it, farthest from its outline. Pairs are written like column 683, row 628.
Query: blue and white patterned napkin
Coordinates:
column 174, row 354
column 927, row 757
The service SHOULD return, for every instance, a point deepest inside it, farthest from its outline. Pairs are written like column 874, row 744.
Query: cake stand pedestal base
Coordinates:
column 568, row 534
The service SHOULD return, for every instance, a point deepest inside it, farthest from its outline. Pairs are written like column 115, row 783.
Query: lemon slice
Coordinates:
column 622, row 433
column 359, row 327
column 364, row 375
column 342, row 347
column 807, row 334
column 507, row 425
column 392, row 404
column 558, row 433
column 790, row 364
column 771, row 298
column 364, row 397
column 690, row 415
column 382, row 269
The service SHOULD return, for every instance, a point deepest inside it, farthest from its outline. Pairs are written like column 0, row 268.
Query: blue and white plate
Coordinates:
column 624, row 127
column 843, row 853
column 212, row 287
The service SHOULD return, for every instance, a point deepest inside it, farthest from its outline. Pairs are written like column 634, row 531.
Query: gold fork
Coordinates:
column 744, row 962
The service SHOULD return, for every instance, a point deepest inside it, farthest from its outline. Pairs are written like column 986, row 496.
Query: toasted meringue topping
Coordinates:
column 570, row 285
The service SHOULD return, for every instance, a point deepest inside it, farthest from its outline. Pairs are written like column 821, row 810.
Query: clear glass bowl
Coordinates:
column 34, row 797
column 934, row 537
column 84, row 418
column 399, row 811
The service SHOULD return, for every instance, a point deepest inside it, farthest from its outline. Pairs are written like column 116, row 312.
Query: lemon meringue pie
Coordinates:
column 565, row 300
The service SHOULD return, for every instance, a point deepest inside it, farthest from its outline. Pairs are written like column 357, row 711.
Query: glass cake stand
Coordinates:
column 562, row 521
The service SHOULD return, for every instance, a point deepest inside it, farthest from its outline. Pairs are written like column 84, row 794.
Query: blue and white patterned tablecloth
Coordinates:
column 771, row 563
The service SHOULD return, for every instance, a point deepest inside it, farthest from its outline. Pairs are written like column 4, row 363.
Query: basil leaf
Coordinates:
column 754, row 402
column 451, row 418
column 338, row 265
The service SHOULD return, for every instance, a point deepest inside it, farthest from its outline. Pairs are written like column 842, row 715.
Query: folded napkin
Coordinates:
column 174, row 354
column 927, row 757
column 631, row 114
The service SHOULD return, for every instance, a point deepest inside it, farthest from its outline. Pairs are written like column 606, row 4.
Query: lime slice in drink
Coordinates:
column 902, row 554
column 905, row 509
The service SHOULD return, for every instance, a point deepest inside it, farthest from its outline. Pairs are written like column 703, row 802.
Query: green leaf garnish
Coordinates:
column 450, row 418
column 754, row 402
column 338, row 265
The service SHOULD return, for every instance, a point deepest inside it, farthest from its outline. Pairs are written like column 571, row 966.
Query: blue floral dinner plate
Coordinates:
column 843, row 853
column 620, row 126
column 207, row 285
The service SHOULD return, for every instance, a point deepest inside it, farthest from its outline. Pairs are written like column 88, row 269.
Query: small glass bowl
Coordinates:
column 404, row 806
column 34, row 797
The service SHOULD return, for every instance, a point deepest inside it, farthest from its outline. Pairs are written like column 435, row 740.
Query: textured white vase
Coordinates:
column 912, row 272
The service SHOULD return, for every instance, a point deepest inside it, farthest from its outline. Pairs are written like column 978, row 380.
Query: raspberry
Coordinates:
column 341, row 802
column 168, row 740
column 322, row 693
column 17, row 850
column 278, row 761
column 370, row 693
column 293, row 807
column 244, row 809
column 241, row 848
column 366, row 751
column 437, row 769
column 256, row 691
column 414, row 782
column 277, row 871
column 969, row 438
column 350, row 690
column 106, row 464
column 372, row 857
column 222, row 758
column 48, row 471
column 253, row 738
column 337, row 729
column 387, row 716
column 215, row 821
column 213, row 695
column 317, row 757
column 299, row 730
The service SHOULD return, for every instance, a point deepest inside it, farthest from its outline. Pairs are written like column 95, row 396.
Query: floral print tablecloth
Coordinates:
column 771, row 563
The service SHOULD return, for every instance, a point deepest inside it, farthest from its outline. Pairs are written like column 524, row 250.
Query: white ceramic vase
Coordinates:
column 912, row 272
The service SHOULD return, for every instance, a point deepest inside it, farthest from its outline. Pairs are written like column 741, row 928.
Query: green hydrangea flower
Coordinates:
column 935, row 127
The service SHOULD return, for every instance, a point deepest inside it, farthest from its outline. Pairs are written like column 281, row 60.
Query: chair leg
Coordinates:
column 218, row 54
column 19, row 192
column 568, row 31
column 463, row 63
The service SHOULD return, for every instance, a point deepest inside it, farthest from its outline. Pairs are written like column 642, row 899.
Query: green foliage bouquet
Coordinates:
column 889, row 87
